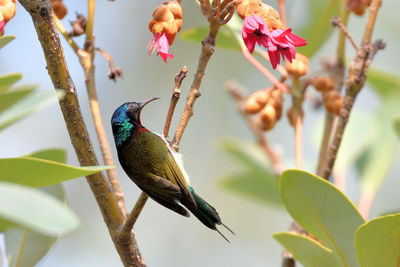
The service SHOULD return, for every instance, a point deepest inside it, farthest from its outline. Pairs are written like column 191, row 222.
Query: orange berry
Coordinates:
column 333, row 102
column 323, row 84
column 256, row 101
column 251, row 106
column 59, row 9
column 267, row 118
column 292, row 117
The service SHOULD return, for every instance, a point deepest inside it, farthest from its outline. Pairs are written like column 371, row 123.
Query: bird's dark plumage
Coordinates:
column 150, row 162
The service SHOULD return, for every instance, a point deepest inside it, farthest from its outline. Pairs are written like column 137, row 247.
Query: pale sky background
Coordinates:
column 164, row 238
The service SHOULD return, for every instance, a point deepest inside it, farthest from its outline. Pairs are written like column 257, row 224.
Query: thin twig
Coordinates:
column 65, row 34
column 237, row 92
column 297, row 99
column 43, row 19
column 337, row 22
column 282, row 12
column 132, row 218
column 264, row 70
column 176, row 93
column 90, row 23
column 115, row 72
column 279, row 67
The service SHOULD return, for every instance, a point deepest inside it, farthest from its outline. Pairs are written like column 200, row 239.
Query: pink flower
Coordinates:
column 254, row 31
column 2, row 24
column 283, row 43
column 160, row 41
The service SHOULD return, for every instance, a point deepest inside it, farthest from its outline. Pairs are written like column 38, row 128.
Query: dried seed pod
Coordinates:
column 167, row 18
column 256, row 101
column 292, row 117
column 323, row 84
column 267, row 118
column 59, row 9
column 333, row 102
column 299, row 66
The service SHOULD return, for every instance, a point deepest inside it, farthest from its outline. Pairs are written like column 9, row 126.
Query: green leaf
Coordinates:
column 323, row 210
column 357, row 137
column 42, row 172
column 248, row 154
column 257, row 184
column 27, row 105
column 306, row 250
column 387, row 85
column 34, row 246
column 34, row 210
column 396, row 125
column 7, row 80
column 10, row 98
column 318, row 28
column 379, row 157
column 377, row 242
column 4, row 40
column 225, row 38
column 55, row 154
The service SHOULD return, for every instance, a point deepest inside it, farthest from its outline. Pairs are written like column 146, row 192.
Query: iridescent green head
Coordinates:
column 126, row 119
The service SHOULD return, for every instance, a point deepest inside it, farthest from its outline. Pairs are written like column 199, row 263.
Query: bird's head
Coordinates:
column 126, row 118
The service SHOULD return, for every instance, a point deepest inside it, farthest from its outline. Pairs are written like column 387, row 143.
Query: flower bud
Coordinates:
column 323, row 84
column 298, row 67
column 271, row 17
column 167, row 18
column 246, row 8
column 59, row 9
column 8, row 8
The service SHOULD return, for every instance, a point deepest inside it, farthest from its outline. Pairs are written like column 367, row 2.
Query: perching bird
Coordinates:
column 155, row 167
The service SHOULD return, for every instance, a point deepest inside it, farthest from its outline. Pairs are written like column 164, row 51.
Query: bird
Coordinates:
column 151, row 163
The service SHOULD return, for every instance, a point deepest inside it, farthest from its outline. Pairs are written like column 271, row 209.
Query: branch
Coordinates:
column 43, row 19
column 237, row 92
column 132, row 218
column 176, row 93
column 216, row 19
column 115, row 72
column 355, row 82
column 337, row 22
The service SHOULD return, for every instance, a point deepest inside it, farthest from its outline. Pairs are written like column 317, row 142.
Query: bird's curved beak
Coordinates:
column 145, row 102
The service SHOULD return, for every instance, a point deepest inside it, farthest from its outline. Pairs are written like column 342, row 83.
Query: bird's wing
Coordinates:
column 165, row 193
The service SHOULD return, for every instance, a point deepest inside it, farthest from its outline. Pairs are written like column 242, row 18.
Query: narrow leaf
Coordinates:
column 318, row 28
column 378, row 242
column 27, row 105
column 7, row 80
column 35, row 245
column 39, row 172
column 324, row 211
column 10, row 98
column 55, row 154
column 259, row 185
column 4, row 40
column 225, row 38
column 386, row 84
column 29, row 208
column 306, row 250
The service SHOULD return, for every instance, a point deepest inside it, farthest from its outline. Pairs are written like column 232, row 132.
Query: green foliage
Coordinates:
column 306, row 250
column 318, row 28
column 29, row 208
column 377, row 242
column 387, row 85
column 55, row 154
column 324, row 211
column 257, row 181
column 8, row 80
column 225, row 38
column 27, row 246
column 379, row 157
column 27, row 105
column 10, row 98
column 396, row 125
column 357, row 138
column 41, row 172
column 4, row 40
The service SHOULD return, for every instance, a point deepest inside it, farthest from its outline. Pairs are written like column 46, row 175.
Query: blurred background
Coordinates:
column 164, row 238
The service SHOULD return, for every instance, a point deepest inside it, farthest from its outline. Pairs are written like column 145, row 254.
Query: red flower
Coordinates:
column 160, row 41
column 283, row 43
column 2, row 24
column 254, row 31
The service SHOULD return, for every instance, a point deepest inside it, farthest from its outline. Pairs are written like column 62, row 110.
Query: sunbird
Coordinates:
column 151, row 163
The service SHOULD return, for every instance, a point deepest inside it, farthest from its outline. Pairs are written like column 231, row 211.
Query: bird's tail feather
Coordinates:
column 207, row 214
